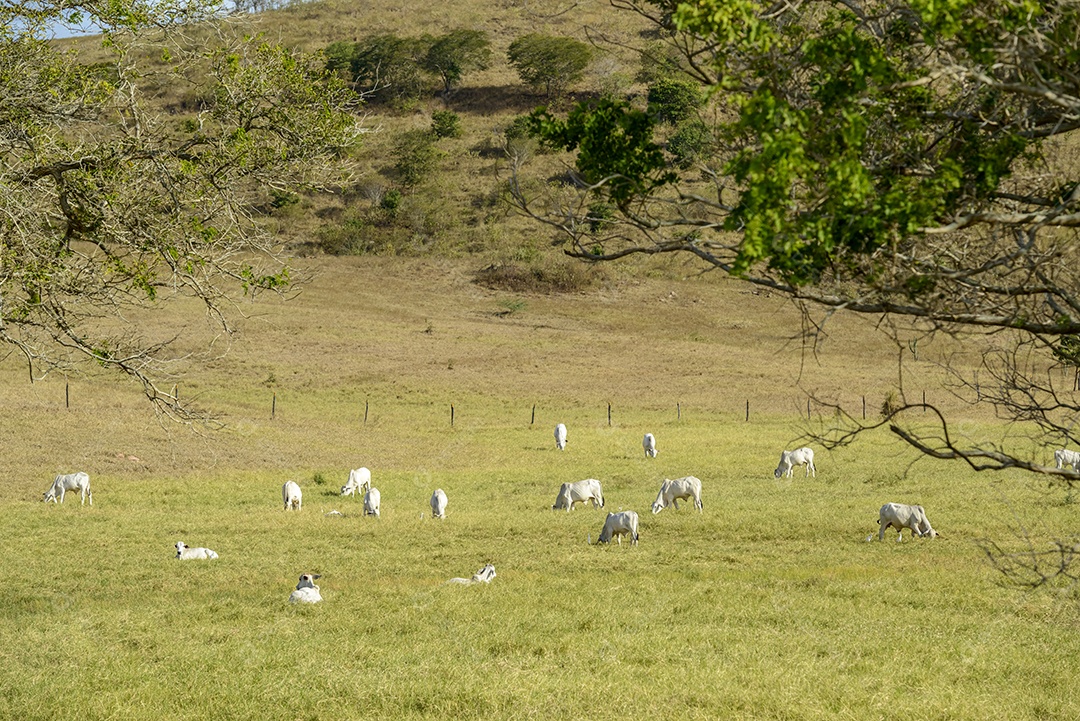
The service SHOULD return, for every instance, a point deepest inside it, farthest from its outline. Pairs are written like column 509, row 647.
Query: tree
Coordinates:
column 110, row 208
column 458, row 52
column 549, row 63
column 898, row 159
column 388, row 67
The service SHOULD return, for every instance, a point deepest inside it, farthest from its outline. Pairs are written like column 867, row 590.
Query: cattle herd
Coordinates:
column 616, row 525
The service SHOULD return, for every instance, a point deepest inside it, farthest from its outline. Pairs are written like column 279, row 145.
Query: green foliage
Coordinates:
column 456, row 54
column 600, row 216
column 416, row 157
column 446, row 124
column 391, row 201
column 615, row 149
column 548, row 63
column 388, row 67
column 690, row 142
column 674, row 100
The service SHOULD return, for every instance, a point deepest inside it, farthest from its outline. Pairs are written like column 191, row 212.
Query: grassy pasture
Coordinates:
column 770, row 604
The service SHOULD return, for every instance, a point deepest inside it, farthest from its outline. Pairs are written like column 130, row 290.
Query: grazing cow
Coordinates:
column 1065, row 457
column 560, row 436
column 438, row 504
column 484, row 575
column 579, row 492
column 649, row 444
column 790, row 459
column 306, row 590
column 371, row 502
column 619, row 525
column 672, row 491
column 901, row 516
column 185, row 552
column 359, row 482
column 71, row 482
column 291, row 495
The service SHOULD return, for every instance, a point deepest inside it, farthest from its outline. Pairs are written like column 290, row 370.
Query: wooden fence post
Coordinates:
column 365, row 411
column 609, row 414
column 67, row 396
column 747, row 409
column 451, row 415
column 678, row 411
column 532, row 420
column 273, row 406
column 864, row 408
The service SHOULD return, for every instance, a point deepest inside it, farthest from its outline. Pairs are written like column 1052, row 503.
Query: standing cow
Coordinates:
column 672, row 491
column 623, row 523
column 70, row 482
column 438, row 503
column 579, row 492
column 560, row 436
column 649, row 444
column 798, row 457
column 901, row 516
column 292, row 496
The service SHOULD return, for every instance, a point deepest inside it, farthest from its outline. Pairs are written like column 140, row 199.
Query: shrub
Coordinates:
column 446, row 124
column 417, row 157
column 543, row 276
column 388, row 67
column 458, row 52
column 548, row 63
column 673, row 100
column 690, row 142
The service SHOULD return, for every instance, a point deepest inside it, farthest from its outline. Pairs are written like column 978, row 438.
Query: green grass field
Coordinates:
column 770, row 604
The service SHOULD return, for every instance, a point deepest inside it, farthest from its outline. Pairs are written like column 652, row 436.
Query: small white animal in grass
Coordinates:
column 306, row 590
column 185, row 552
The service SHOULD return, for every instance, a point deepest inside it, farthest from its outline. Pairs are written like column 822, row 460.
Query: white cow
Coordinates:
column 672, row 491
column 649, row 444
column 560, row 436
column 484, row 575
column 291, row 495
column 438, row 503
column 71, row 482
column 579, row 492
column 901, row 516
column 620, row 524
column 359, row 482
column 306, row 591
column 1065, row 457
column 185, row 552
column 371, row 502
column 790, row 459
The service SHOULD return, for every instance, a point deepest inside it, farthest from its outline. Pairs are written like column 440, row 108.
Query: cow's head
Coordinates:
column 49, row 495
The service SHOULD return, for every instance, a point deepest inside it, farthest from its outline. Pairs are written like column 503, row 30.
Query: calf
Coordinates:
column 185, row 552
column 649, row 444
column 71, row 482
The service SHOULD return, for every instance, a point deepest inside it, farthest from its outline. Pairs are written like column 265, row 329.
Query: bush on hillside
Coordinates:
column 446, row 124
column 690, row 142
column 673, row 100
column 548, row 63
column 546, row 275
column 416, row 157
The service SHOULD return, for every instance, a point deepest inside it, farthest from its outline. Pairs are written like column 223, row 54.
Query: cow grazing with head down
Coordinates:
column 623, row 523
column 1064, row 457
column 649, row 444
column 70, row 482
column 359, row 482
column 901, row 516
column 292, row 496
column 579, row 492
column 680, row 488
column 798, row 457
column 438, row 503
column 560, row 436
column 372, row 499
